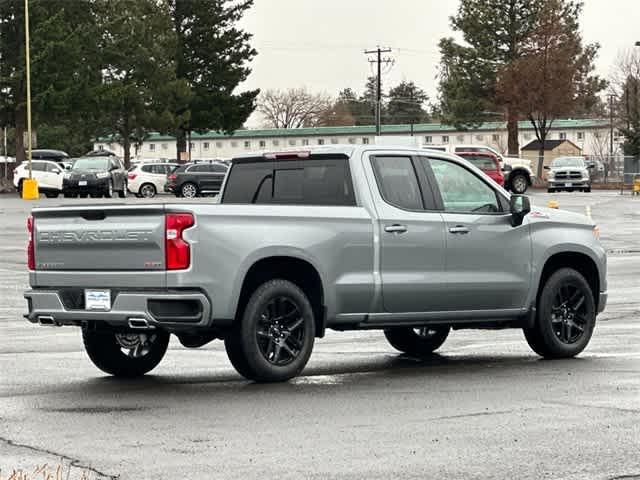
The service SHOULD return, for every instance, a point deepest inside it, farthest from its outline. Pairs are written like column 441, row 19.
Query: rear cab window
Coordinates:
column 318, row 180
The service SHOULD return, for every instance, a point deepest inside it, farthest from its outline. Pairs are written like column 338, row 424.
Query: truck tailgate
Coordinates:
column 100, row 238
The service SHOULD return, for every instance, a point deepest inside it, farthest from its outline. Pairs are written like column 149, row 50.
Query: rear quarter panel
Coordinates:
column 228, row 239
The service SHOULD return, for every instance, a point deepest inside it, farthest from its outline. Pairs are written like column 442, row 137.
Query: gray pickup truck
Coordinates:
column 409, row 241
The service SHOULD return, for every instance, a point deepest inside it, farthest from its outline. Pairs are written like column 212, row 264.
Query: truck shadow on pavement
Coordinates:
column 364, row 373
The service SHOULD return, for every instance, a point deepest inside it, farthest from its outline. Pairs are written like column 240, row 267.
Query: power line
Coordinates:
column 379, row 61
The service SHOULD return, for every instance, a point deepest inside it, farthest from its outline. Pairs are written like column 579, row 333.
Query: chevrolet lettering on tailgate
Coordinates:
column 62, row 236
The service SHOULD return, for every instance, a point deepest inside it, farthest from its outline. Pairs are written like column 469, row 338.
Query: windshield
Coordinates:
column 567, row 162
column 482, row 162
column 91, row 164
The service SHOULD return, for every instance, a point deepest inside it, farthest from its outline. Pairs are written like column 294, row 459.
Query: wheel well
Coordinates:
column 579, row 262
column 295, row 270
column 522, row 171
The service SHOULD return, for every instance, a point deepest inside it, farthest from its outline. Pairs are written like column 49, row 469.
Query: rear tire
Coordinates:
column 565, row 317
column 550, row 190
column 188, row 190
column 419, row 343
column 51, row 194
column 273, row 340
column 107, row 352
column 147, row 190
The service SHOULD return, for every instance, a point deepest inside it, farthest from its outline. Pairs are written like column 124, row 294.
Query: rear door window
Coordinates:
column 398, row 182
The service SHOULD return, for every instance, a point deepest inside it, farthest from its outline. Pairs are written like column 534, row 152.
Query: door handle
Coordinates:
column 395, row 228
column 459, row 229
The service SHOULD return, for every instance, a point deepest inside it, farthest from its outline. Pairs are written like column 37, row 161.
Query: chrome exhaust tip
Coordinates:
column 48, row 321
column 139, row 324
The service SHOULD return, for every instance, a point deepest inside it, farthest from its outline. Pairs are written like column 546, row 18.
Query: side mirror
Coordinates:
column 507, row 168
column 519, row 205
column 590, row 167
column 56, row 170
column 547, row 167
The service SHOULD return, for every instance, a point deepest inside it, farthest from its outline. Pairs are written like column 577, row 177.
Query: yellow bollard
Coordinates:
column 30, row 189
column 553, row 204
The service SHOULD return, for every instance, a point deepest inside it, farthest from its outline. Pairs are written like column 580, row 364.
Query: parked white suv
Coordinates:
column 48, row 174
column 147, row 179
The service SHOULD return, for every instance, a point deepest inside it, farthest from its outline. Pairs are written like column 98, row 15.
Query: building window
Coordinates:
column 480, row 138
column 365, row 140
column 152, row 147
column 275, row 143
column 562, row 136
column 247, row 144
column 100, row 147
column 352, row 140
column 192, row 146
column 205, row 145
column 495, row 137
column 234, row 144
column 321, row 141
column 428, row 139
column 527, row 136
column 292, row 142
column 262, row 143
column 580, row 136
column 334, row 141
column 110, row 146
column 460, row 138
column 305, row 141
column 445, row 139
column 218, row 144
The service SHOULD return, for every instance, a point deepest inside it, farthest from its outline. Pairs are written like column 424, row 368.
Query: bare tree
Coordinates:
column 625, row 86
column 292, row 108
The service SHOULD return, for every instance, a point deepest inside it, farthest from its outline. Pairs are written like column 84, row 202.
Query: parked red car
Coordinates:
column 487, row 162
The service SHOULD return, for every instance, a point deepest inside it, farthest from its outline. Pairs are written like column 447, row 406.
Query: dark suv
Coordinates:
column 95, row 176
column 195, row 179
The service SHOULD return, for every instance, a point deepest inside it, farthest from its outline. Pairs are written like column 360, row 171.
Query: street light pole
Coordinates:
column 28, row 70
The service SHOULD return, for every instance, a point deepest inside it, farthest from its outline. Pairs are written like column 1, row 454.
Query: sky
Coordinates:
column 319, row 44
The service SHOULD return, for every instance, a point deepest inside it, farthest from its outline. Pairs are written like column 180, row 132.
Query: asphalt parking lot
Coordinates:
column 484, row 407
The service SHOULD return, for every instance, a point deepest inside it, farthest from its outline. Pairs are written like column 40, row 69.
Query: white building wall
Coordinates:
column 590, row 140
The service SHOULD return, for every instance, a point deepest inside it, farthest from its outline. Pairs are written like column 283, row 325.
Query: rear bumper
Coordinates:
column 171, row 310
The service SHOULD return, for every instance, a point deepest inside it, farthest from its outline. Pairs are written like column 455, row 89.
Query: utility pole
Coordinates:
column 379, row 61
column 611, row 97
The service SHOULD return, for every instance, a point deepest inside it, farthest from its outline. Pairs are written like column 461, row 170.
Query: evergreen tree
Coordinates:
column 212, row 57
column 405, row 104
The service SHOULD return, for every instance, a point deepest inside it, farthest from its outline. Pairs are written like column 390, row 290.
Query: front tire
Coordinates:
column 125, row 354
column 123, row 193
column 417, row 342
column 519, row 183
column 273, row 340
column 109, row 192
column 566, row 316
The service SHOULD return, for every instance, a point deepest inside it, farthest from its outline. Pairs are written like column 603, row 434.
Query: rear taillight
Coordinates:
column 172, row 177
column 132, row 176
column 31, row 257
column 177, row 250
